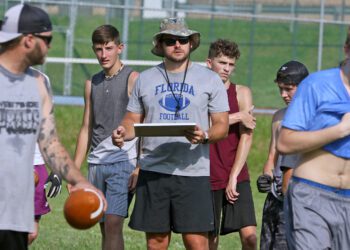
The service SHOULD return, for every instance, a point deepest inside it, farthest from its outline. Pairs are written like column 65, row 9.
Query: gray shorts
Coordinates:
column 112, row 180
column 317, row 216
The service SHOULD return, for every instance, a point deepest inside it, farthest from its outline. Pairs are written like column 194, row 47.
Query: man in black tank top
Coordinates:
column 106, row 98
column 27, row 117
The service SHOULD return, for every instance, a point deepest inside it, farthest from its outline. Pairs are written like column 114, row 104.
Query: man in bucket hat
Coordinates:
column 173, row 189
column 26, row 111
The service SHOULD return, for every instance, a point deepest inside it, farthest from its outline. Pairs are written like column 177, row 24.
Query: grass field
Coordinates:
column 56, row 234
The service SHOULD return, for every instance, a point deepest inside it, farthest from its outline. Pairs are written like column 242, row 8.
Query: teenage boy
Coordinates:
column 110, row 168
column 230, row 183
column 278, row 168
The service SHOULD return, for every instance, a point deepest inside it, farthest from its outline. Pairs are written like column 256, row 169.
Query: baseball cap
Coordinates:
column 292, row 72
column 177, row 27
column 23, row 19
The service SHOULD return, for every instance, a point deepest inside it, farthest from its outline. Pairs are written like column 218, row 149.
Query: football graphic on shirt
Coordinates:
column 169, row 103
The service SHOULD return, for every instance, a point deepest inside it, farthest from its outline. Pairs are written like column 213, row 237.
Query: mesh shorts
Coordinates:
column 41, row 206
column 317, row 216
column 234, row 216
column 112, row 180
column 167, row 203
column 273, row 233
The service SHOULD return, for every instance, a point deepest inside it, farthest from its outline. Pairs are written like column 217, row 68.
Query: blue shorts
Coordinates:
column 112, row 180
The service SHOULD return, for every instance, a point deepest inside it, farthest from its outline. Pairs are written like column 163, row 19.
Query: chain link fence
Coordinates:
column 268, row 32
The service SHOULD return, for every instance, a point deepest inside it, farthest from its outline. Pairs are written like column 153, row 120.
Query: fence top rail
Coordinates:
column 94, row 61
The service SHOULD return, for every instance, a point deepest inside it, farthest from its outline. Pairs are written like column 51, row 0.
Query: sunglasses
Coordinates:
column 172, row 41
column 47, row 39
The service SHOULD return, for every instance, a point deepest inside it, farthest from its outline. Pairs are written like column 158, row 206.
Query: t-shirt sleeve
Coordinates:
column 135, row 100
column 289, row 161
column 218, row 101
column 302, row 109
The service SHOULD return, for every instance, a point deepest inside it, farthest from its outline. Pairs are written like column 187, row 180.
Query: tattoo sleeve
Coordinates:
column 53, row 151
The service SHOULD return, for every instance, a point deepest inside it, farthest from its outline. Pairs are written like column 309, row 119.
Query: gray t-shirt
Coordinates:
column 202, row 93
column 20, row 121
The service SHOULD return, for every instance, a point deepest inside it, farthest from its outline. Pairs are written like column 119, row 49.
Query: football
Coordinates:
column 36, row 178
column 83, row 208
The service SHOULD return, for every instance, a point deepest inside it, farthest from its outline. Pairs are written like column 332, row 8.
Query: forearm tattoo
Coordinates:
column 53, row 151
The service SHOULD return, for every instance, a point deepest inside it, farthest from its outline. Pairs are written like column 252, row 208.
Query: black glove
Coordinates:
column 56, row 185
column 264, row 183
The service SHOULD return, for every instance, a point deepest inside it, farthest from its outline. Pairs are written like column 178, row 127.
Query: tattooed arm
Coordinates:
column 55, row 155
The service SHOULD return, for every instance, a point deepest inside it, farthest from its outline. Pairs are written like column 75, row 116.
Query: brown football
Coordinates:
column 83, row 208
column 36, row 178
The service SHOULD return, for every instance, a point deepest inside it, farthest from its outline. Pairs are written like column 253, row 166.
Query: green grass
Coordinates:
column 56, row 234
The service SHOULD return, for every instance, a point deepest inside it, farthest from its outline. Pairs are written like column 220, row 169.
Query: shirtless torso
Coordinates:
column 325, row 168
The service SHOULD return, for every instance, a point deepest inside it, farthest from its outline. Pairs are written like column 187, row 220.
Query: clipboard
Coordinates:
column 162, row 129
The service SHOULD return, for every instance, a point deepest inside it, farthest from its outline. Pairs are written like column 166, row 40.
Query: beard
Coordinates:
column 175, row 59
column 36, row 56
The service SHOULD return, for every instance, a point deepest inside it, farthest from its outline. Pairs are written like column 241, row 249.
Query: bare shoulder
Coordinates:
column 133, row 76
column 88, row 85
column 241, row 89
column 131, row 81
column 244, row 97
column 278, row 115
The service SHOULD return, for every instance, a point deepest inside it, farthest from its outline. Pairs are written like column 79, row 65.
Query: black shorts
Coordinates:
column 234, row 216
column 165, row 203
column 13, row 240
column 273, row 233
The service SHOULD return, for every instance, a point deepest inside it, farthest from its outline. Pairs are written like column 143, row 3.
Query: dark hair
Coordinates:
column 104, row 34
column 10, row 44
column 224, row 47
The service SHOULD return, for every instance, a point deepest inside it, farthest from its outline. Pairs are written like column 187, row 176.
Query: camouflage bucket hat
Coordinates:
column 175, row 27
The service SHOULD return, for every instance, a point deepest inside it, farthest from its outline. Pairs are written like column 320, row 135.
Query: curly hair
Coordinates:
column 224, row 47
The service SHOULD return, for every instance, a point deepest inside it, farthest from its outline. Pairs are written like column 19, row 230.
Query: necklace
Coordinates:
column 116, row 73
column 177, row 108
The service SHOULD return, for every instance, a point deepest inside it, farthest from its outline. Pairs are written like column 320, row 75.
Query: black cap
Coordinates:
column 23, row 19
column 292, row 72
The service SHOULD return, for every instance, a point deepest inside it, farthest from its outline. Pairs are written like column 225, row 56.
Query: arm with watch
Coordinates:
column 217, row 131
